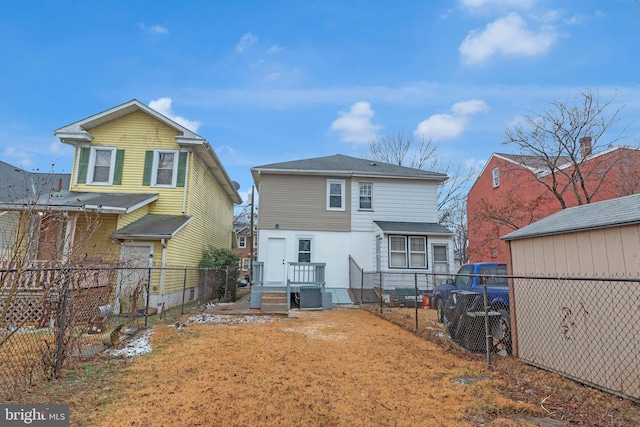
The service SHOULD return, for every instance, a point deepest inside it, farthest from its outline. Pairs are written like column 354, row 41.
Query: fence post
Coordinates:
column 63, row 315
column 380, row 273
column 146, row 310
column 361, row 286
column 226, row 283
column 488, row 337
column 184, row 288
column 415, row 302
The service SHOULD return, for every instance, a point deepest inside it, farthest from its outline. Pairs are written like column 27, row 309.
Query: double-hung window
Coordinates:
column 102, row 163
column 495, row 175
column 366, row 195
column 417, row 252
column 335, row 194
column 304, row 250
column 397, row 251
column 407, row 251
column 242, row 242
column 165, row 168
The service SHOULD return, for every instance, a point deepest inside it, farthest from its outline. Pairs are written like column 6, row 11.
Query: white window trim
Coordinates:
column 404, row 251
column 92, row 164
column 310, row 239
column 407, row 252
column 359, row 205
column 410, row 252
column 245, row 264
column 154, row 171
column 242, row 242
column 495, row 175
column 342, row 194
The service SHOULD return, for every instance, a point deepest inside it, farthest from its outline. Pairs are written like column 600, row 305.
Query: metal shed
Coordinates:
column 585, row 329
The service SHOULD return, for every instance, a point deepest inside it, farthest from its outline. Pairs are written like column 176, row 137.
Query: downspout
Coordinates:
column 186, row 184
column 162, row 266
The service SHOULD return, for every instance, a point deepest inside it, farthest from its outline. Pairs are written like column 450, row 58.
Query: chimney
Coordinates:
column 585, row 146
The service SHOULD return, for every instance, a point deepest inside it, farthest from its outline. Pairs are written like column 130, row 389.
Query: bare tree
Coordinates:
column 404, row 150
column 456, row 221
column 563, row 138
column 49, row 280
column 401, row 150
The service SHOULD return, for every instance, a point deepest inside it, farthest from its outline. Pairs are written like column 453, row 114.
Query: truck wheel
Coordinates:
column 501, row 332
column 440, row 310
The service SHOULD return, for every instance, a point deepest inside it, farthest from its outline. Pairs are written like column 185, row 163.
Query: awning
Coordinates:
column 74, row 201
column 390, row 227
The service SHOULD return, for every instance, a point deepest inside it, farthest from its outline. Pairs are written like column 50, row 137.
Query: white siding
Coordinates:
column 395, row 200
column 329, row 247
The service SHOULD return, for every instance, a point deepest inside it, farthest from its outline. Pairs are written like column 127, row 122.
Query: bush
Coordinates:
column 219, row 258
column 225, row 264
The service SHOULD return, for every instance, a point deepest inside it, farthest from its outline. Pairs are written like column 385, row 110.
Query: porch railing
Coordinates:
column 306, row 273
column 298, row 273
column 257, row 273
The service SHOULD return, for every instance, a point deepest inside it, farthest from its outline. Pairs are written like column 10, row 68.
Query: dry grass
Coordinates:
column 329, row 368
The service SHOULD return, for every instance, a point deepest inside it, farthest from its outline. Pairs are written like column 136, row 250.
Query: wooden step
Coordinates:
column 274, row 302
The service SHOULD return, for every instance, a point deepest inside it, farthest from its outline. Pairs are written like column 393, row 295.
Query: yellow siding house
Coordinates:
column 158, row 189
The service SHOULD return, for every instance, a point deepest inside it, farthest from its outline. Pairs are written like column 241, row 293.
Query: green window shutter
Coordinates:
column 117, row 173
column 182, row 169
column 148, row 164
column 83, row 164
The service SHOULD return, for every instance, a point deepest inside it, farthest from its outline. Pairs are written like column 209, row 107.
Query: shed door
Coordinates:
column 275, row 260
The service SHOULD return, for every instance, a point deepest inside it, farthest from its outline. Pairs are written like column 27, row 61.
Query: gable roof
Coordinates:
column 538, row 165
column 17, row 184
column 340, row 165
column 608, row 213
column 78, row 135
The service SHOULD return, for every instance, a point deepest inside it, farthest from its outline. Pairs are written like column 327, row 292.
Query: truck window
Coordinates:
column 493, row 270
column 462, row 278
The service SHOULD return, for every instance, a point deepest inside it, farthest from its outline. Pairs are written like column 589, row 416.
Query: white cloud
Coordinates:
column 226, row 149
column 449, row 126
column 475, row 165
column 441, row 126
column 355, row 125
column 474, row 4
column 469, row 108
column 246, row 41
column 163, row 106
column 506, row 36
column 274, row 49
column 21, row 157
column 153, row 29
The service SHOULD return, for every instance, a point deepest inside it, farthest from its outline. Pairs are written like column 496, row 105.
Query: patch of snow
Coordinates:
column 136, row 347
column 222, row 319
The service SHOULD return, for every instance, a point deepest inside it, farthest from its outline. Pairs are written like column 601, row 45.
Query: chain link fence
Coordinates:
column 52, row 316
column 583, row 328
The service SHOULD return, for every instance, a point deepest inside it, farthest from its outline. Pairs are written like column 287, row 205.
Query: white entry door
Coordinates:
column 275, row 260
column 132, row 279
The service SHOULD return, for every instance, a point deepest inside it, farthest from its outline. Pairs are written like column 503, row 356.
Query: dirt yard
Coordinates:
column 322, row 368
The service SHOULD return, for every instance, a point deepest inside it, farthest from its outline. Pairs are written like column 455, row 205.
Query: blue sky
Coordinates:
column 270, row 81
